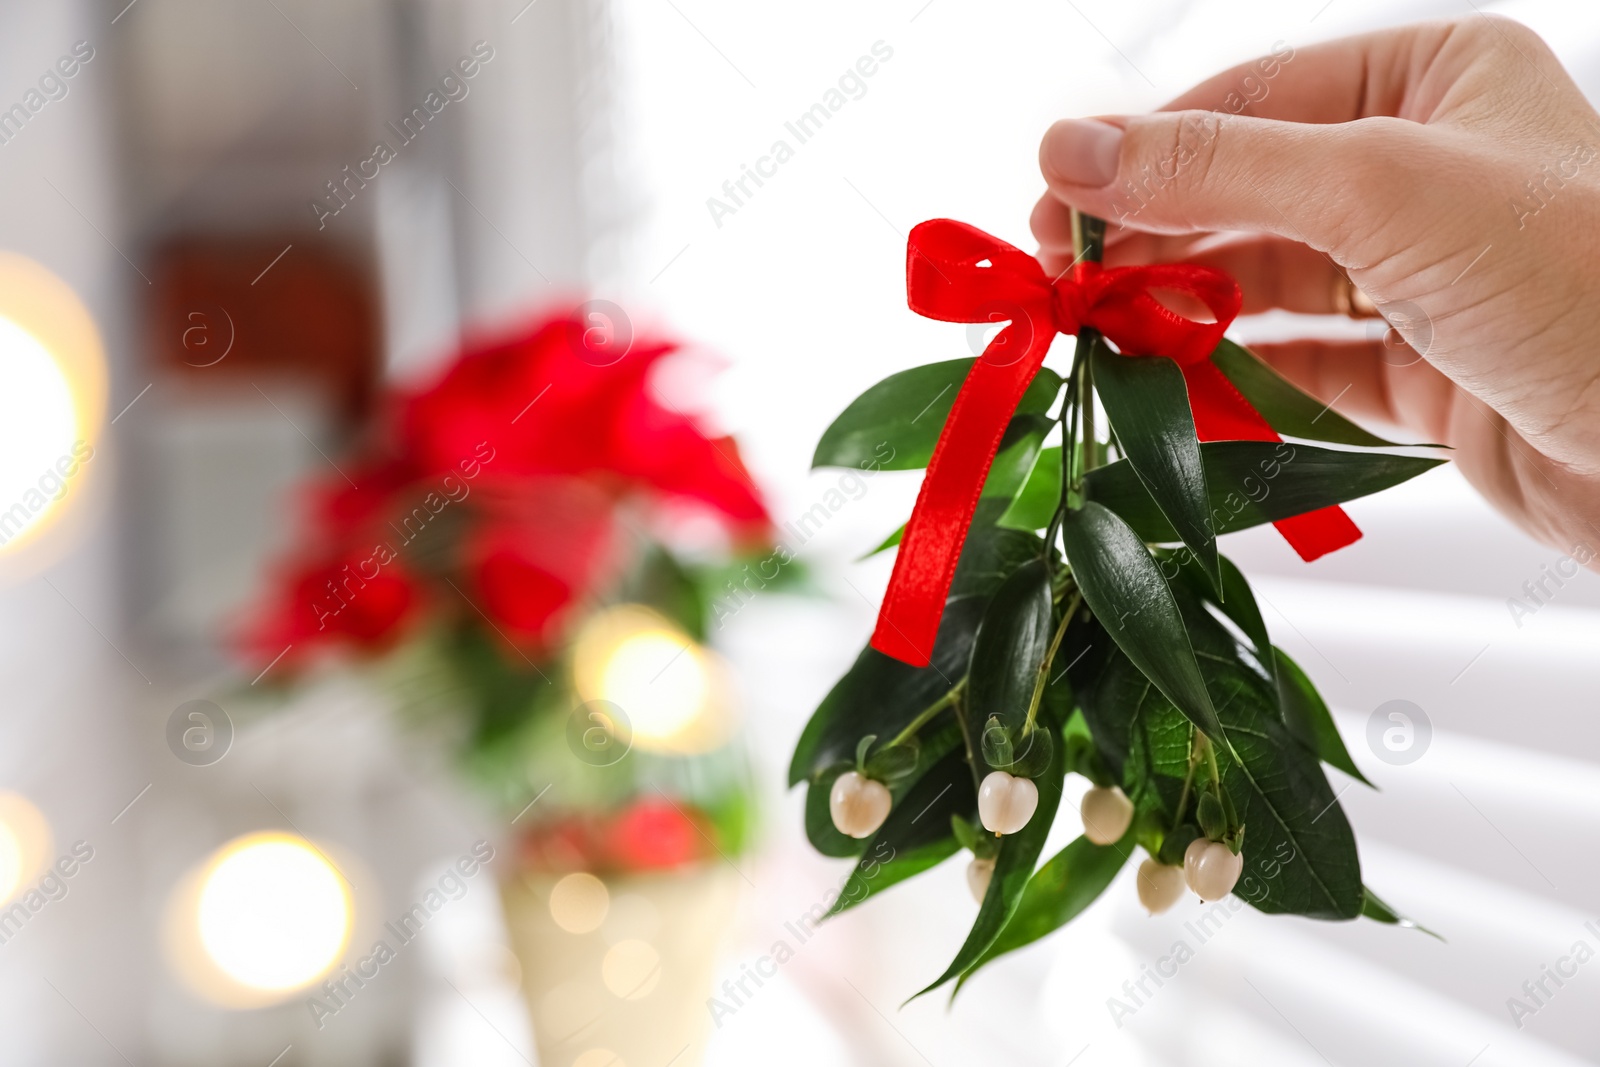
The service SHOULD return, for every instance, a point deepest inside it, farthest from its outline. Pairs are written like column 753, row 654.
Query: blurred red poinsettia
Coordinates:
column 494, row 493
column 650, row 834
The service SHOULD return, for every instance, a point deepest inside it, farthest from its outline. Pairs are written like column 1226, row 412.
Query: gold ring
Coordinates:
column 1350, row 301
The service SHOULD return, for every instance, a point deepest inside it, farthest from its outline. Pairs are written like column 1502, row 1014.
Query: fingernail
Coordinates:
column 1082, row 151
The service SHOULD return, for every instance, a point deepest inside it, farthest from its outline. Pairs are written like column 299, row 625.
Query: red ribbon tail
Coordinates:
column 1221, row 413
column 908, row 622
column 1316, row 533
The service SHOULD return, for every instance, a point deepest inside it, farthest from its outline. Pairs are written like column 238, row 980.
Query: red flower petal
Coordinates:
column 654, row 834
column 542, row 545
column 355, row 599
column 545, row 403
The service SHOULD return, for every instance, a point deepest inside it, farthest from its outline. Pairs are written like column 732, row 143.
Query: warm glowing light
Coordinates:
column 578, row 903
column 640, row 675
column 24, row 844
column 631, row 969
column 273, row 913
column 669, row 687
column 10, row 863
column 38, row 426
column 52, row 400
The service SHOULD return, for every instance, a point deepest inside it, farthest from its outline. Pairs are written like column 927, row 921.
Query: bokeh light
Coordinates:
column 266, row 915
column 10, row 863
column 52, row 398
column 39, row 426
column 578, row 903
column 631, row 969
column 672, row 689
column 273, row 912
column 24, row 844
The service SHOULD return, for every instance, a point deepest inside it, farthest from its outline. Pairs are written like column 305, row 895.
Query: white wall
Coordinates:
column 63, row 726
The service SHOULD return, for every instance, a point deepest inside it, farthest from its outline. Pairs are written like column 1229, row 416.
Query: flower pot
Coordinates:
column 617, row 971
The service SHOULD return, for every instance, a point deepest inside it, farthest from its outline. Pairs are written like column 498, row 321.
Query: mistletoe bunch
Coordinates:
column 1089, row 625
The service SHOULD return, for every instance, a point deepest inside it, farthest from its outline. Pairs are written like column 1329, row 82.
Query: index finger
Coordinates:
column 1350, row 78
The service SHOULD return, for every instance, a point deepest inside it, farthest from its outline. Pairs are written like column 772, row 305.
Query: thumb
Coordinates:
column 1187, row 171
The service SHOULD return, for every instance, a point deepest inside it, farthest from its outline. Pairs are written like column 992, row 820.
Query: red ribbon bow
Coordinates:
column 958, row 273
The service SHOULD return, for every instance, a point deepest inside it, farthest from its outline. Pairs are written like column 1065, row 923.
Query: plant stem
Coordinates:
column 1211, row 762
column 1091, row 445
column 1088, row 246
column 1188, row 781
column 1043, row 675
column 926, row 714
column 1069, row 433
column 966, row 739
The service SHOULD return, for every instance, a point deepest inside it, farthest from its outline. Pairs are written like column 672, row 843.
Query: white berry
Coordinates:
column 1160, row 886
column 1006, row 802
column 1212, row 870
column 1191, row 856
column 858, row 804
column 1106, row 815
column 979, row 871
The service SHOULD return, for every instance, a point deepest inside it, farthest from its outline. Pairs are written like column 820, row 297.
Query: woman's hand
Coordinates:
column 1452, row 171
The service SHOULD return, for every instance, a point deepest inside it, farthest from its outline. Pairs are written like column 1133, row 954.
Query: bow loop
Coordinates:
column 944, row 279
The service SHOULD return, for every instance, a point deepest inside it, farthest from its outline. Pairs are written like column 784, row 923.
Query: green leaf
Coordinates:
column 1213, row 820
column 506, row 694
column 1019, row 449
column 1035, row 504
column 1377, row 910
column 1017, row 464
column 894, row 762
column 885, row 545
column 1012, row 641
column 1142, row 739
column 917, row 834
column 1300, row 855
column 1124, row 587
column 882, row 695
column 1287, row 409
column 1079, row 754
column 1238, row 602
column 1059, row 699
column 1299, row 852
column 1013, row 867
column 1308, row 718
column 996, row 744
column 965, row 833
column 992, row 553
column 1057, row 893
column 1233, row 597
column 1147, row 401
column 895, row 424
column 1032, row 751
column 666, row 585
column 1255, row 482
